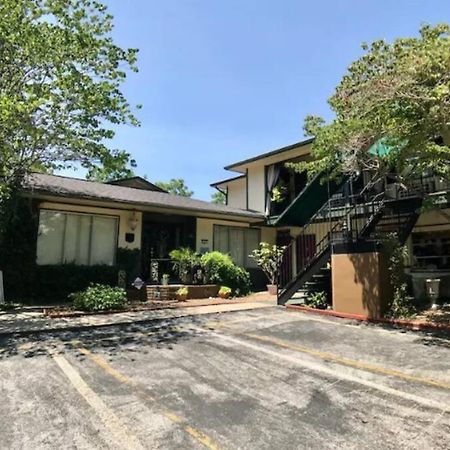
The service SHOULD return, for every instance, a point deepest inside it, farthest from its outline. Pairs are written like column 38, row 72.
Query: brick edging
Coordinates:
column 411, row 324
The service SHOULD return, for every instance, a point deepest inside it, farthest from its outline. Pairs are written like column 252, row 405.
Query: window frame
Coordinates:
column 116, row 218
column 246, row 250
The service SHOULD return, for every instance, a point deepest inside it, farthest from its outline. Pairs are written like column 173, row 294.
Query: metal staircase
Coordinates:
column 370, row 214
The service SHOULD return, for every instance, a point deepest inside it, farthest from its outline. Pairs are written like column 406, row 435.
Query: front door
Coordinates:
column 306, row 250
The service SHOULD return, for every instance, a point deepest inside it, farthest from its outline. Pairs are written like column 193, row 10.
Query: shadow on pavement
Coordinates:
column 111, row 339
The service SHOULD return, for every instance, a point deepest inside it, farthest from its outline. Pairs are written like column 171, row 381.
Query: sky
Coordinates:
column 223, row 80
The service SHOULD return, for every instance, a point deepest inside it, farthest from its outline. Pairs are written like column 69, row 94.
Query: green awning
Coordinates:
column 307, row 203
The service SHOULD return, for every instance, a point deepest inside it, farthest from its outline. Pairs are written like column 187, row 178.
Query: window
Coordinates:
column 82, row 239
column 431, row 251
column 237, row 242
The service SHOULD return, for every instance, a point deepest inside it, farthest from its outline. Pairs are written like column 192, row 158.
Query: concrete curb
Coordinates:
column 82, row 327
column 410, row 324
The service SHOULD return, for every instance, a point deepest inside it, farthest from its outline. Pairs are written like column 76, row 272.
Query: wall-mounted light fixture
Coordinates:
column 133, row 221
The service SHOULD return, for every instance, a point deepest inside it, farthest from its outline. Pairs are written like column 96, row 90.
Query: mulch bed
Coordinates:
column 429, row 320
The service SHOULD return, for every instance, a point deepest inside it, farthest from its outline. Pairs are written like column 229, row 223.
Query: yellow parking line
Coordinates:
column 113, row 424
column 326, row 356
column 196, row 434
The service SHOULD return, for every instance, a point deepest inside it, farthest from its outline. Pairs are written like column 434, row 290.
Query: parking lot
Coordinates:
column 258, row 379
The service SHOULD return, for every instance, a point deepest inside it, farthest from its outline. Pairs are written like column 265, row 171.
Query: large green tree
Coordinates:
column 176, row 186
column 398, row 95
column 60, row 89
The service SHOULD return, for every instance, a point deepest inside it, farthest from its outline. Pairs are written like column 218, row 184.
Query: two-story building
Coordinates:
column 319, row 220
column 332, row 230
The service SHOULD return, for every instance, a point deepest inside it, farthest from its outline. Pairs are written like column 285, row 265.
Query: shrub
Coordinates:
column 184, row 260
column 220, row 269
column 317, row 300
column 99, row 297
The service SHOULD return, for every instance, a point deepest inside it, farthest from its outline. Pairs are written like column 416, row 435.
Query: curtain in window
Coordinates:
column 237, row 242
column 273, row 173
column 82, row 239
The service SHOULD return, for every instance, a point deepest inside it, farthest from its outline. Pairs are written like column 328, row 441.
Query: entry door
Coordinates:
column 285, row 274
column 306, row 249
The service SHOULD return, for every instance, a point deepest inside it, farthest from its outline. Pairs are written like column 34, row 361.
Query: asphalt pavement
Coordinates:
column 256, row 379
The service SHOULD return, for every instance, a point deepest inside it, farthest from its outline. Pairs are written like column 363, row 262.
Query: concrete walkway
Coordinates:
column 28, row 322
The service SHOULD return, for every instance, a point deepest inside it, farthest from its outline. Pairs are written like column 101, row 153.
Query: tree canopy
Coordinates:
column 176, row 186
column 60, row 95
column 396, row 94
column 218, row 198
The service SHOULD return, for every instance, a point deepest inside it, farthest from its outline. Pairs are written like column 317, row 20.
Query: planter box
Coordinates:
column 203, row 290
column 167, row 293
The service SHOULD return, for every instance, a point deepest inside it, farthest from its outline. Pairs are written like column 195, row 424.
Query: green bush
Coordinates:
column 99, row 297
column 184, row 260
column 220, row 269
column 317, row 300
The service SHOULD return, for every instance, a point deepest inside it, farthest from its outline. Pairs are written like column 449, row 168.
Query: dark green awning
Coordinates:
column 307, row 203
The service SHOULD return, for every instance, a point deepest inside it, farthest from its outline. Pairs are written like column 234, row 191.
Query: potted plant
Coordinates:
column 269, row 258
column 224, row 292
column 165, row 279
column 182, row 294
column 184, row 260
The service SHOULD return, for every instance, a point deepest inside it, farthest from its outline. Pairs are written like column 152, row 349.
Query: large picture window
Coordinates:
column 82, row 239
column 237, row 242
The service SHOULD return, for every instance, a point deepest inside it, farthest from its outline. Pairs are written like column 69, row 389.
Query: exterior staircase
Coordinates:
column 370, row 215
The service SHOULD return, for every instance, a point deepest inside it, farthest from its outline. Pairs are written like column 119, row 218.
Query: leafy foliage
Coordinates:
column 184, row 261
column 176, row 186
column 401, row 304
column 225, row 291
column 396, row 94
column 269, row 258
column 182, row 292
column 60, row 89
column 99, row 297
column 220, row 269
column 219, row 198
column 317, row 300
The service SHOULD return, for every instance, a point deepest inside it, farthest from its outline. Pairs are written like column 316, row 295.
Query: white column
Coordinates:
column 2, row 292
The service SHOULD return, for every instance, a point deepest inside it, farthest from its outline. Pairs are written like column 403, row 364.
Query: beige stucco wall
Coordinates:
column 123, row 216
column 435, row 220
column 205, row 231
column 237, row 193
column 360, row 283
column 256, row 190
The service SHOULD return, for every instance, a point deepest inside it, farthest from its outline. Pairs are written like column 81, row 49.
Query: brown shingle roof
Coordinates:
column 73, row 187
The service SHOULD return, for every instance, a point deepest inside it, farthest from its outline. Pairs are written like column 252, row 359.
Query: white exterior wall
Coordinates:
column 256, row 190
column 124, row 217
column 237, row 193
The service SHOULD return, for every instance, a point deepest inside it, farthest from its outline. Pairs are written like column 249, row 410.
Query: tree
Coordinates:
column 397, row 97
column 60, row 92
column 176, row 186
column 219, row 198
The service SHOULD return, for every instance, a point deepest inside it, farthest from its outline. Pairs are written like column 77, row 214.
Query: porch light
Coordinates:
column 133, row 221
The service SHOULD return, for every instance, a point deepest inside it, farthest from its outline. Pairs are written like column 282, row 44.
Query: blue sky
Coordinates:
column 222, row 80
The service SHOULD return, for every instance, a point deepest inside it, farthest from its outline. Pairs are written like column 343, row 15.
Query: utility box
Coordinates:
column 360, row 281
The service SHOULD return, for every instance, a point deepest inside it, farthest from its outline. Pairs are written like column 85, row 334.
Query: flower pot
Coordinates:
column 224, row 295
column 272, row 289
column 181, row 298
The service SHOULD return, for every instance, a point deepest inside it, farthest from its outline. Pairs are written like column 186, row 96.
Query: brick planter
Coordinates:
column 167, row 293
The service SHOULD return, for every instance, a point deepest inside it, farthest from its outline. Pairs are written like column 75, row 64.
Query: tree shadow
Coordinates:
column 370, row 274
column 109, row 339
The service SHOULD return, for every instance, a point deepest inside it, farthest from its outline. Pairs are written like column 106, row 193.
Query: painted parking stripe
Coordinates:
column 198, row 435
column 326, row 356
column 120, row 434
column 330, row 371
